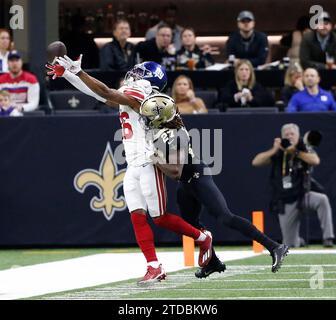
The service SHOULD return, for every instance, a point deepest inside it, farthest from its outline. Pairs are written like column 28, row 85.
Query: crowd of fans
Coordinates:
column 175, row 47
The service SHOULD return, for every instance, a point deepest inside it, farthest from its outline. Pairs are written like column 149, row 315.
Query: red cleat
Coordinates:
column 153, row 275
column 205, row 253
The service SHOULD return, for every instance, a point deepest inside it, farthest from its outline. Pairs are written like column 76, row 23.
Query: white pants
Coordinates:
column 144, row 188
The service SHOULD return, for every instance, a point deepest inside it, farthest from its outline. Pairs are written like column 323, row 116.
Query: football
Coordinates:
column 56, row 49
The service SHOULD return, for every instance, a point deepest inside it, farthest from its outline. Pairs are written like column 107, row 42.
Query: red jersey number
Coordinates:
column 127, row 132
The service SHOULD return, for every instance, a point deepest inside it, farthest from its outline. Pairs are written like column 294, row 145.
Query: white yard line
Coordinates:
column 94, row 270
column 312, row 251
column 308, row 251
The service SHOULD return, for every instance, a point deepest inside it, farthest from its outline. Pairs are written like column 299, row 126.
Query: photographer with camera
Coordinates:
column 293, row 189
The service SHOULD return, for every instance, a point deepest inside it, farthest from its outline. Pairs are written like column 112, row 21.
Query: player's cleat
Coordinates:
column 213, row 266
column 205, row 252
column 278, row 254
column 153, row 275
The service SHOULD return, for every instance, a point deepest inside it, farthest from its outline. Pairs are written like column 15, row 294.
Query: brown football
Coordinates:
column 56, row 49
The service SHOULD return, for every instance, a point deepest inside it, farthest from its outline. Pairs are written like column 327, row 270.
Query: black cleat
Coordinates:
column 278, row 254
column 216, row 266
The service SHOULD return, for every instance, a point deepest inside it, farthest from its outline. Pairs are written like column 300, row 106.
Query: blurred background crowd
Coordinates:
column 252, row 57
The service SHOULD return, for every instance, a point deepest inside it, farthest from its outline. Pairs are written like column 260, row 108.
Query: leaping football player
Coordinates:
column 144, row 183
column 173, row 155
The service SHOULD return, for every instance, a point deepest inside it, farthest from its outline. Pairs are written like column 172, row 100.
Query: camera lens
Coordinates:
column 285, row 143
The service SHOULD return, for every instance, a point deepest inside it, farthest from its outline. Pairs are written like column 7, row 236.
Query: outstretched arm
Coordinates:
column 57, row 70
column 111, row 95
column 81, row 86
column 72, row 71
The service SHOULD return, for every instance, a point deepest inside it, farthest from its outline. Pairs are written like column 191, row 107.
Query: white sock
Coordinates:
column 201, row 237
column 153, row 264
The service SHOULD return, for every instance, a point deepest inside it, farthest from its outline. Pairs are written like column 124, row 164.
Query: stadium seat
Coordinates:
column 253, row 110
column 71, row 100
column 76, row 112
column 209, row 97
column 214, row 110
column 36, row 113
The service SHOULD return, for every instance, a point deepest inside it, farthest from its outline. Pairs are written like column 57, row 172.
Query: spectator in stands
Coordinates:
column 118, row 54
column 170, row 20
column 246, row 43
column 293, row 190
column 6, row 106
column 293, row 40
column 5, row 46
column 159, row 49
column 184, row 95
column 190, row 56
column 293, row 82
column 318, row 48
column 22, row 85
column 79, row 42
column 312, row 98
column 244, row 91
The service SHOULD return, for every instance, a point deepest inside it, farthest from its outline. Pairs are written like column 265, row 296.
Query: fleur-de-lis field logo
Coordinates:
column 108, row 180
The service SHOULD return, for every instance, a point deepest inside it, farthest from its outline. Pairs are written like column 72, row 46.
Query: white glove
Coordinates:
column 154, row 154
column 70, row 65
column 150, row 150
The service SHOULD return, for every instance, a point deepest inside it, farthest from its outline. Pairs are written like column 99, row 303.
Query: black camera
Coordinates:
column 285, row 143
column 311, row 138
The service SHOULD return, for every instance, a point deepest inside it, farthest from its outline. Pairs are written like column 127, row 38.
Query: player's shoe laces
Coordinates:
column 214, row 265
column 205, row 252
column 278, row 254
column 153, row 275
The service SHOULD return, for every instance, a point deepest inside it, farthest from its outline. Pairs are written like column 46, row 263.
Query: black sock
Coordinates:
column 249, row 230
column 214, row 257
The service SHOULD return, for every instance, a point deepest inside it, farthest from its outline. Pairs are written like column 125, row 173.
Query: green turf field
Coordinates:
column 304, row 276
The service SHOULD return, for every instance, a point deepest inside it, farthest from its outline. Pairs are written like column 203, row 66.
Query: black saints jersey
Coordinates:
column 170, row 142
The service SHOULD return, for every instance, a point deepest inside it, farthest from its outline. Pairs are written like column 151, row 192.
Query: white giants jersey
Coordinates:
column 133, row 132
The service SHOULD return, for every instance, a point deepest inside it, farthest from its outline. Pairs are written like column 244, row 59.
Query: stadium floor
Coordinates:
column 306, row 274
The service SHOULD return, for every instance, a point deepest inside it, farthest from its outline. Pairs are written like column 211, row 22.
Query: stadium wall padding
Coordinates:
column 41, row 156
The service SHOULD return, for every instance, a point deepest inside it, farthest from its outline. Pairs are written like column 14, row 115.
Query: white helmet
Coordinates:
column 158, row 109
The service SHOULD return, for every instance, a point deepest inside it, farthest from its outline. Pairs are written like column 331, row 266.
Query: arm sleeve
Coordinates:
column 81, row 86
column 262, row 52
column 33, row 98
column 227, row 98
